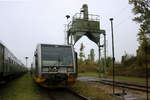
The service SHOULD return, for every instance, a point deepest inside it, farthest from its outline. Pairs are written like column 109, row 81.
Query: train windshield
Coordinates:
column 53, row 55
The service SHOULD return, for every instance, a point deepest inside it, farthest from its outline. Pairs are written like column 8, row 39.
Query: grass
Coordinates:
column 22, row 88
column 91, row 91
column 92, row 74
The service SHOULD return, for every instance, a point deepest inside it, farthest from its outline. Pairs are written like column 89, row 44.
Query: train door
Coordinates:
column 76, row 62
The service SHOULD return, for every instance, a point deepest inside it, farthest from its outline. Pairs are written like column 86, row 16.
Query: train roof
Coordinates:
column 53, row 45
column 1, row 43
column 12, row 55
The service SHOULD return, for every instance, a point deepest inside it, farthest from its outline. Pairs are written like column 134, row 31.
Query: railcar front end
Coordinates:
column 55, row 65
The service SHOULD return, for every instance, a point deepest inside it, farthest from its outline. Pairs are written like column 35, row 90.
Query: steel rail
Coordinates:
column 53, row 96
column 126, row 85
column 78, row 95
column 130, row 84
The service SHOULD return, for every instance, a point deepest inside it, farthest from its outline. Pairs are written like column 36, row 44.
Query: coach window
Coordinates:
column 9, row 61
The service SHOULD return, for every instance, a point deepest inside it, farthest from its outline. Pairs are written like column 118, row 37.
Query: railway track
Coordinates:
column 65, row 94
column 126, row 85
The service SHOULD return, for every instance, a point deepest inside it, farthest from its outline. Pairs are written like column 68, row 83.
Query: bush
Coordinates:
column 87, row 67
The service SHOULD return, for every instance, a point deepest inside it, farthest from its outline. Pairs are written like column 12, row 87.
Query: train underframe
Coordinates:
column 58, row 80
column 5, row 78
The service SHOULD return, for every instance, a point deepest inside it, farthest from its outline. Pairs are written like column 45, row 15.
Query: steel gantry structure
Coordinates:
column 86, row 24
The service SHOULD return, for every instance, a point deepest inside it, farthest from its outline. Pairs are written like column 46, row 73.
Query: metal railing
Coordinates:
column 91, row 17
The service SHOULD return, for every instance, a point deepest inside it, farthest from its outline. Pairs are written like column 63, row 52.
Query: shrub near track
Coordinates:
column 87, row 67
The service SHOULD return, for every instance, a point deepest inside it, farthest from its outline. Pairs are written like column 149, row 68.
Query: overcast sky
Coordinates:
column 25, row 23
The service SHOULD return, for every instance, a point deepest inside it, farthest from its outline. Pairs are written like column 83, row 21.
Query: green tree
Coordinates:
column 108, row 61
column 91, row 56
column 81, row 54
column 141, row 10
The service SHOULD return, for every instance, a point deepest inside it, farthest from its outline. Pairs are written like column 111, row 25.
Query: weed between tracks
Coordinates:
column 90, row 91
column 22, row 88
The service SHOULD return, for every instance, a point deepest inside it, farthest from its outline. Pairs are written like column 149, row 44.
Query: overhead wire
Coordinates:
column 122, row 22
column 119, row 13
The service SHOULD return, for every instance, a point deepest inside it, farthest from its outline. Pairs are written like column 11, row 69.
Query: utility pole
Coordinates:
column 113, row 58
column 104, row 55
column 146, row 65
column 66, row 35
column 99, row 57
column 26, row 60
